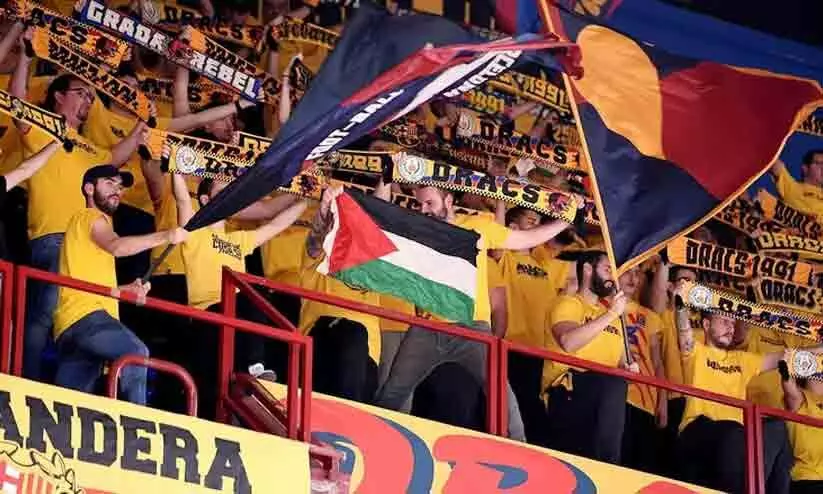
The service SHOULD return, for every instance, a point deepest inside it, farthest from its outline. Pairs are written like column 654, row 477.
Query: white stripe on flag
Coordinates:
column 451, row 271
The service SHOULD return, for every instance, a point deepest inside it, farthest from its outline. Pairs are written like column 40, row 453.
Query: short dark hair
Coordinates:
column 514, row 214
column 591, row 258
column 59, row 85
column 808, row 157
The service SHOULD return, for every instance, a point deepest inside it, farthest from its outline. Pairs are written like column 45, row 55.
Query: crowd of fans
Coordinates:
column 100, row 213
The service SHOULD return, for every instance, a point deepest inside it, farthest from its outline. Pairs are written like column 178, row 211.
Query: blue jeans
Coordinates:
column 90, row 342
column 41, row 301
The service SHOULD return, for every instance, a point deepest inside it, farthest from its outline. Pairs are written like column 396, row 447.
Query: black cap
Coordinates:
column 107, row 171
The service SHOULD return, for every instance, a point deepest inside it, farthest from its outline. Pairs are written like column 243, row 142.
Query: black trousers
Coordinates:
column 451, row 394
column 712, row 453
column 807, row 487
column 588, row 421
column 127, row 221
column 525, row 377
column 342, row 365
column 641, row 441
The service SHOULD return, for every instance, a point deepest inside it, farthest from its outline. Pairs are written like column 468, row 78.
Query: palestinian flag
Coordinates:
column 377, row 246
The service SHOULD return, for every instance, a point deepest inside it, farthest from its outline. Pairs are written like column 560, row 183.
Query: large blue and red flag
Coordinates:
column 672, row 138
column 382, row 67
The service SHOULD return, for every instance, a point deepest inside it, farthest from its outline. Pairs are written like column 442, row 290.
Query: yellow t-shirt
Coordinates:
column 283, row 255
column 83, row 259
column 55, row 191
column 803, row 197
column 606, row 348
column 106, row 129
column 807, row 442
column 672, row 362
column 310, row 311
column 726, row 372
column 165, row 218
column 398, row 305
column 492, row 236
column 528, row 286
column 642, row 325
column 205, row 253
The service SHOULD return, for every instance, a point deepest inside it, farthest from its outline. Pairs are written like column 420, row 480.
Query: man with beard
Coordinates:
column 87, row 328
column 586, row 410
column 712, row 445
column 50, row 207
column 421, row 350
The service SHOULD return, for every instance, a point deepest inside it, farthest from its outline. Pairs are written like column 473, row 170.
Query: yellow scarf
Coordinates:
column 704, row 298
column 702, row 255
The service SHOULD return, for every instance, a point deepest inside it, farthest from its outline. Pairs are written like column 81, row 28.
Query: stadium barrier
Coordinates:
column 159, row 365
column 299, row 425
column 228, row 324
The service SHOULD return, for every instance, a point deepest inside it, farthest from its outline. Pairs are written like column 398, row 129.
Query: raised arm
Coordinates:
column 30, row 166
column 659, row 298
column 124, row 149
column 500, row 311
column 572, row 336
column 777, row 168
column 322, row 222
column 155, row 181
column 182, row 199
column 772, row 360
column 685, row 334
column 283, row 220
column 265, row 210
column 792, row 396
column 105, row 237
column 180, row 89
column 19, row 82
column 526, row 239
column 191, row 121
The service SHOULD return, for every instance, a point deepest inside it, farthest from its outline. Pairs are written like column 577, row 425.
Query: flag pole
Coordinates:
column 604, row 224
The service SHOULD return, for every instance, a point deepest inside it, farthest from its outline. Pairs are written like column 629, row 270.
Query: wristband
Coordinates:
column 237, row 108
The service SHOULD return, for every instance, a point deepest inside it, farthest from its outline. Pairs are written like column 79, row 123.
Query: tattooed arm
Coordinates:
column 685, row 335
column 322, row 222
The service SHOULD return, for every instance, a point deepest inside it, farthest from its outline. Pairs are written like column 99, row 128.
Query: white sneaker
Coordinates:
column 259, row 371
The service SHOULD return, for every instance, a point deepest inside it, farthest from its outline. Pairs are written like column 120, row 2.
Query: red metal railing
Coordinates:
column 761, row 412
column 491, row 342
column 163, row 366
column 232, row 281
column 497, row 356
column 753, row 444
column 6, row 293
column 228, row 325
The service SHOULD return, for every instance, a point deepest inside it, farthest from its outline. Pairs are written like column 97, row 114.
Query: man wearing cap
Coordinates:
column 50, row 208
column 87, row 328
